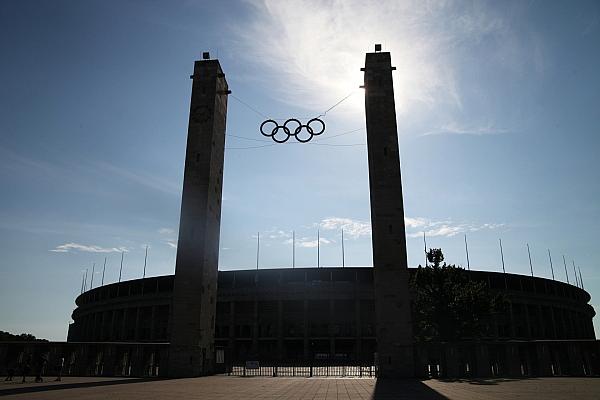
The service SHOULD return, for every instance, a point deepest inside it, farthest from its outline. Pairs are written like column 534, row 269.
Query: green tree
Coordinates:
column 23, row 337
column 447, row 304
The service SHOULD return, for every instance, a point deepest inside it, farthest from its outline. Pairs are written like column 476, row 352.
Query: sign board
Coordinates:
column 252, row 365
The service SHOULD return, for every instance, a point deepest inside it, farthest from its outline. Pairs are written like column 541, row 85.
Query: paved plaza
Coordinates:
column 233, row 388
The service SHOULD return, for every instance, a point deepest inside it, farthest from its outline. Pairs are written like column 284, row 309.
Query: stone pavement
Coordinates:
column 233, row 388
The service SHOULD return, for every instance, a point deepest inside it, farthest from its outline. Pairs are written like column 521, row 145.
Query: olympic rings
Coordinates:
column 292, row 127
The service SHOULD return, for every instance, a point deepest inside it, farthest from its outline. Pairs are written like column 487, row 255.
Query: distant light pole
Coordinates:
column 257, row 248
column 551, row 267
column 145, row 259
column 318, row 249
column 566, row 273
column 121, row 269
column 92, row 281
column 467, row 251
column 103, row 271
column 530, row 264
column 343, row 255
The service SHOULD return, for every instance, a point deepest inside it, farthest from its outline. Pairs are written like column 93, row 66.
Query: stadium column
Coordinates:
column 392, row 302
column 191, row 350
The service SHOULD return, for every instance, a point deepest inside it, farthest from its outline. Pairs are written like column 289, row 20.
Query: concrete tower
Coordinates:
column 191, row 351
column 392, row 304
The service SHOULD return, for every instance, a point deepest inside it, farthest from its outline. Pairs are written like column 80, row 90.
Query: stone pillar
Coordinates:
column 232, row 354
column 123, row 337
column 307, row 354
column 554, row 330
column 513, row 332
column 254, row 347
column 527, row 320
column 280, row 333
column 136, row 335
column 392, row 303
column 112, row 335
column 332, row 329
column 357, row 332
column 191, row 351
column 152, row 324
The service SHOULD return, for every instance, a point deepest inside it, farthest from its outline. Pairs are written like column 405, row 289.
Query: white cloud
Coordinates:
column 314, row 49
column 275, row 233
column 415, row 222
column 458, row 129
column 352, row 228
column 307, row 242
column 166, row 231
column 69, row 247
column 445, row 228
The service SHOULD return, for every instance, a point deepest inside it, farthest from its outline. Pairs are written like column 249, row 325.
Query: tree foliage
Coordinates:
column 447, row 304
column 23, row 337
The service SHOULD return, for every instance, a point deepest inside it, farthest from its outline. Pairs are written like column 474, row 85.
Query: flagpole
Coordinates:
column 530, row 264
column 145, row 259
column 92, row 281
column 467, row 251
column 293, row 249
column 257, row 248
column 566, row 273
column 121, row 269
column 343, row 255
column 318, row 249
column 425, row 246
column 551, row 267
column 503, row 269
column 103, row 271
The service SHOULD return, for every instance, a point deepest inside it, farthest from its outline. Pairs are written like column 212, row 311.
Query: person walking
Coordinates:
column 59, row 368
column 39, row 367
column 26, row 367
column 10, row 371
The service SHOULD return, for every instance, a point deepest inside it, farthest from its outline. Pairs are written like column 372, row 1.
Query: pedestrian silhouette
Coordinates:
column 39, row 367
column 26, row 367
column 10, row 370
column 59, row 368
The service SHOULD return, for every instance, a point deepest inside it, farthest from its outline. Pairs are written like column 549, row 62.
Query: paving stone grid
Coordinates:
column 233, row 388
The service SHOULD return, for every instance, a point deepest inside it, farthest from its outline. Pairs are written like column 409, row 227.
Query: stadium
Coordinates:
column 318, row 316
column 308, row 321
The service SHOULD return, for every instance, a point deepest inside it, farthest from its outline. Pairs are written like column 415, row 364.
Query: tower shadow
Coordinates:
column 400, row 389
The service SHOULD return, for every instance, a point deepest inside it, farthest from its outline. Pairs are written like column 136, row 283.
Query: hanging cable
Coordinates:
column 269, row 143
column 337, row 104
column 339, row 134
column 251, row 108
column 248, row 106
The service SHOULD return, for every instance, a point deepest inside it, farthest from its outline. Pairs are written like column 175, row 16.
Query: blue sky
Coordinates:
column 497, row 108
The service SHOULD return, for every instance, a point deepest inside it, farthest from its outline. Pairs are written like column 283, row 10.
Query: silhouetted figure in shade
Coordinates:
column 39, row 367
column 10, row 371
column 59, row 368
column 26, row 367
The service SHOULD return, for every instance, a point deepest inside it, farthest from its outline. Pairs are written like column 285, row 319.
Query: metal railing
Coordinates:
column 303, row 370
